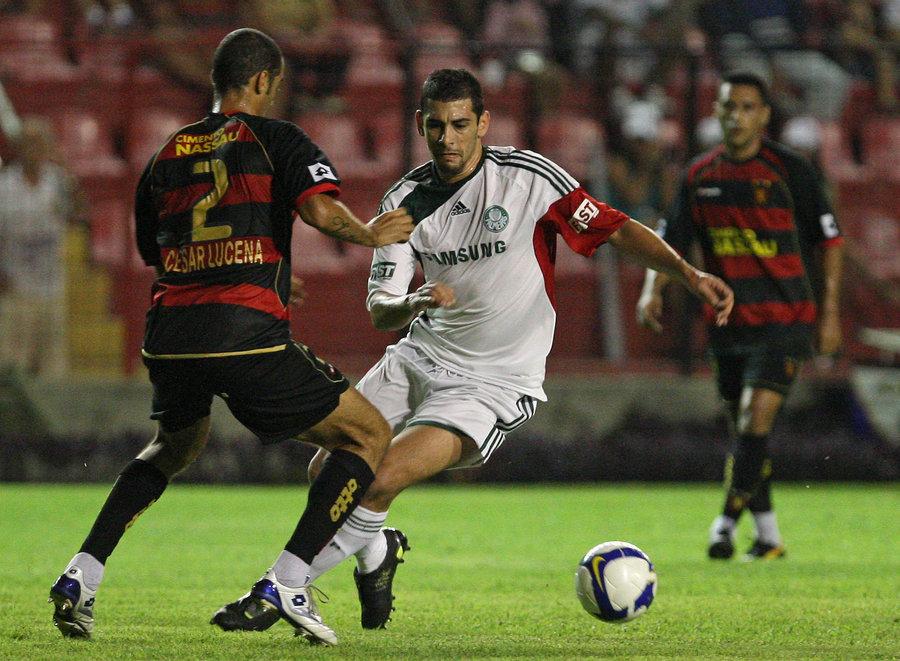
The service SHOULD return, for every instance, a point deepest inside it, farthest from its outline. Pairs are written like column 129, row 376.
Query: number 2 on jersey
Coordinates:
column 200, row 231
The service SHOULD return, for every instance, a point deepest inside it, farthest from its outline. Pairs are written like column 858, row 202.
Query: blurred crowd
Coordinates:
column 642, row 72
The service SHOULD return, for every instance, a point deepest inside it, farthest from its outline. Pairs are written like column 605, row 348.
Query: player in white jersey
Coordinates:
column 471, row 368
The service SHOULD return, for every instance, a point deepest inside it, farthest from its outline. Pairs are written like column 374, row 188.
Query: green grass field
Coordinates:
column 490, row 575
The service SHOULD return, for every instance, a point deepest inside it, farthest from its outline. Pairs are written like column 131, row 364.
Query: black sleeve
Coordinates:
column 812, row 210
column 146, row 219
column 301, row 168
column 677, row 229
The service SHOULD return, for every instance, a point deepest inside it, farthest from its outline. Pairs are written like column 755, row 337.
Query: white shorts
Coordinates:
column 409, row 388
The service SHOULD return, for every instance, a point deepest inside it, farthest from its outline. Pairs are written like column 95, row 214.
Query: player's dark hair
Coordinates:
column 452, row 85
column 241, row 55
column 744, row 78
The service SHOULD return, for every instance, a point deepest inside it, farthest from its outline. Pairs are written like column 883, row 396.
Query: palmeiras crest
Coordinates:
column 495, row 219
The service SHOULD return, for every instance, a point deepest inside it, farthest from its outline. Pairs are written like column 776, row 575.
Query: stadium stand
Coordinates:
column 113, row 106
column 881, row 145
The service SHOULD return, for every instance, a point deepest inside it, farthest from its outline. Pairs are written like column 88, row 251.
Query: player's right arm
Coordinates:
column 304, row 175
column 390, row 303
column 392, row 311
column 333, row 218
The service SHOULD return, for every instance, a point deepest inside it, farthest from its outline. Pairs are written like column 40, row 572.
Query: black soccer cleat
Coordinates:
column 763, row 551
column 374, row 588
column 721, row 544
column 721, row 550
column 246, row 614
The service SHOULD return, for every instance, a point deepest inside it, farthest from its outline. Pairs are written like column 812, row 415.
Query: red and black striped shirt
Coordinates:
column 757, row 223
column 213, row 210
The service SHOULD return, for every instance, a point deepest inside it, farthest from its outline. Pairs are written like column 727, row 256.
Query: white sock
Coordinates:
column 291, row 571
column 91, row 568
column 767, row 528
column 370, row 556
column 722, row 524
column 360, row 528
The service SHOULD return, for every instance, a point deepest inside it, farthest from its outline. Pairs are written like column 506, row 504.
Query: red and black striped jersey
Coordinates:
column 213, row 210
column 757, row 223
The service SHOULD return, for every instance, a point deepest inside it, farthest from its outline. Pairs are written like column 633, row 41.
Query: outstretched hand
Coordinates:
column 716, row 293
column 649, row 311
column 393, row 226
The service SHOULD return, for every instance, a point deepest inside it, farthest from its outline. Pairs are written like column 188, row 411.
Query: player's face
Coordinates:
column 453, row 133
column 744, row 117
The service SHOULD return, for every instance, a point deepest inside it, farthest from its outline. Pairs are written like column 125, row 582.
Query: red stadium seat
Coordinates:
column 881, row 145
column 86, row 144
column 835, row 155
column 149, row 131
column 571, row 141
column 29, row 42
column 504, row 130
column 440, row 58
column 339, row 136
column 27, row 31
column 44, row 87
column 313, row 252
column 110, row 222
column 385, row 132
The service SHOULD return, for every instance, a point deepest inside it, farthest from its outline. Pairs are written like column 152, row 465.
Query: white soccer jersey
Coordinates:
column 492, row 238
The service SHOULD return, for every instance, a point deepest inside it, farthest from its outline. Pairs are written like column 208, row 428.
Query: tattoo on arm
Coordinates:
column 343, row 229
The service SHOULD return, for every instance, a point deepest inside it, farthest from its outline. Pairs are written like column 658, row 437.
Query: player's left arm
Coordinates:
column 585, row 224
column 146, row 220
column 819, row 230
column 828, row 335
column 642, row 245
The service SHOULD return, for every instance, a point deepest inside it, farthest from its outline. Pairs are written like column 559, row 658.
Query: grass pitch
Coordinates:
column 490, row 575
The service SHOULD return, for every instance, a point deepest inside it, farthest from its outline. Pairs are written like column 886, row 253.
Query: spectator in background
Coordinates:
column 771, row 40
column 189, row 28
column 107, row 15
column 708, row 133
column 37, row 201
column 314, row 53
column 22, row 6
column 866, row 50
column 642, row 181
column 890, row 14
column 804, row 134
column 614, row 45
column 516, row 34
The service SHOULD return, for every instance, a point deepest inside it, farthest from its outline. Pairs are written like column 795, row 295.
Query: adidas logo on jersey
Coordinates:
column 459, row 208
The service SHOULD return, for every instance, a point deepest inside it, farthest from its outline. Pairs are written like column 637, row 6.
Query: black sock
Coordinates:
column 333, row 495
column 746, row 473
column 761, row 500
column 139, row 485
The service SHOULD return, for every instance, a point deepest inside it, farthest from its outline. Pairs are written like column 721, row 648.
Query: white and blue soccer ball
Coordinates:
column 615, row 582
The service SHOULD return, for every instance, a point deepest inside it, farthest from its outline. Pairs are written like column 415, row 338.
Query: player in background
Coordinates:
column 471, row 368
column 214, row 210
column 764, row 225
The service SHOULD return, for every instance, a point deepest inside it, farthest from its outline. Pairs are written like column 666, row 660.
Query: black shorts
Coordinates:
column 769, row 367
column 275, row 395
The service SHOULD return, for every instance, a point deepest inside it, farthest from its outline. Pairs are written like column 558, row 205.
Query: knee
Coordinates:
column 315, row 465
column 374, row 439
column 382, row 491
column 172, row 452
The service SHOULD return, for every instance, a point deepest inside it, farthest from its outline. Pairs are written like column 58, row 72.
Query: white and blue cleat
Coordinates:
column 267, row 601
column 73, row 604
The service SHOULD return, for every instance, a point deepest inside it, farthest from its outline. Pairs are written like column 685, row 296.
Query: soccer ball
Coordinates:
column 615, row 582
